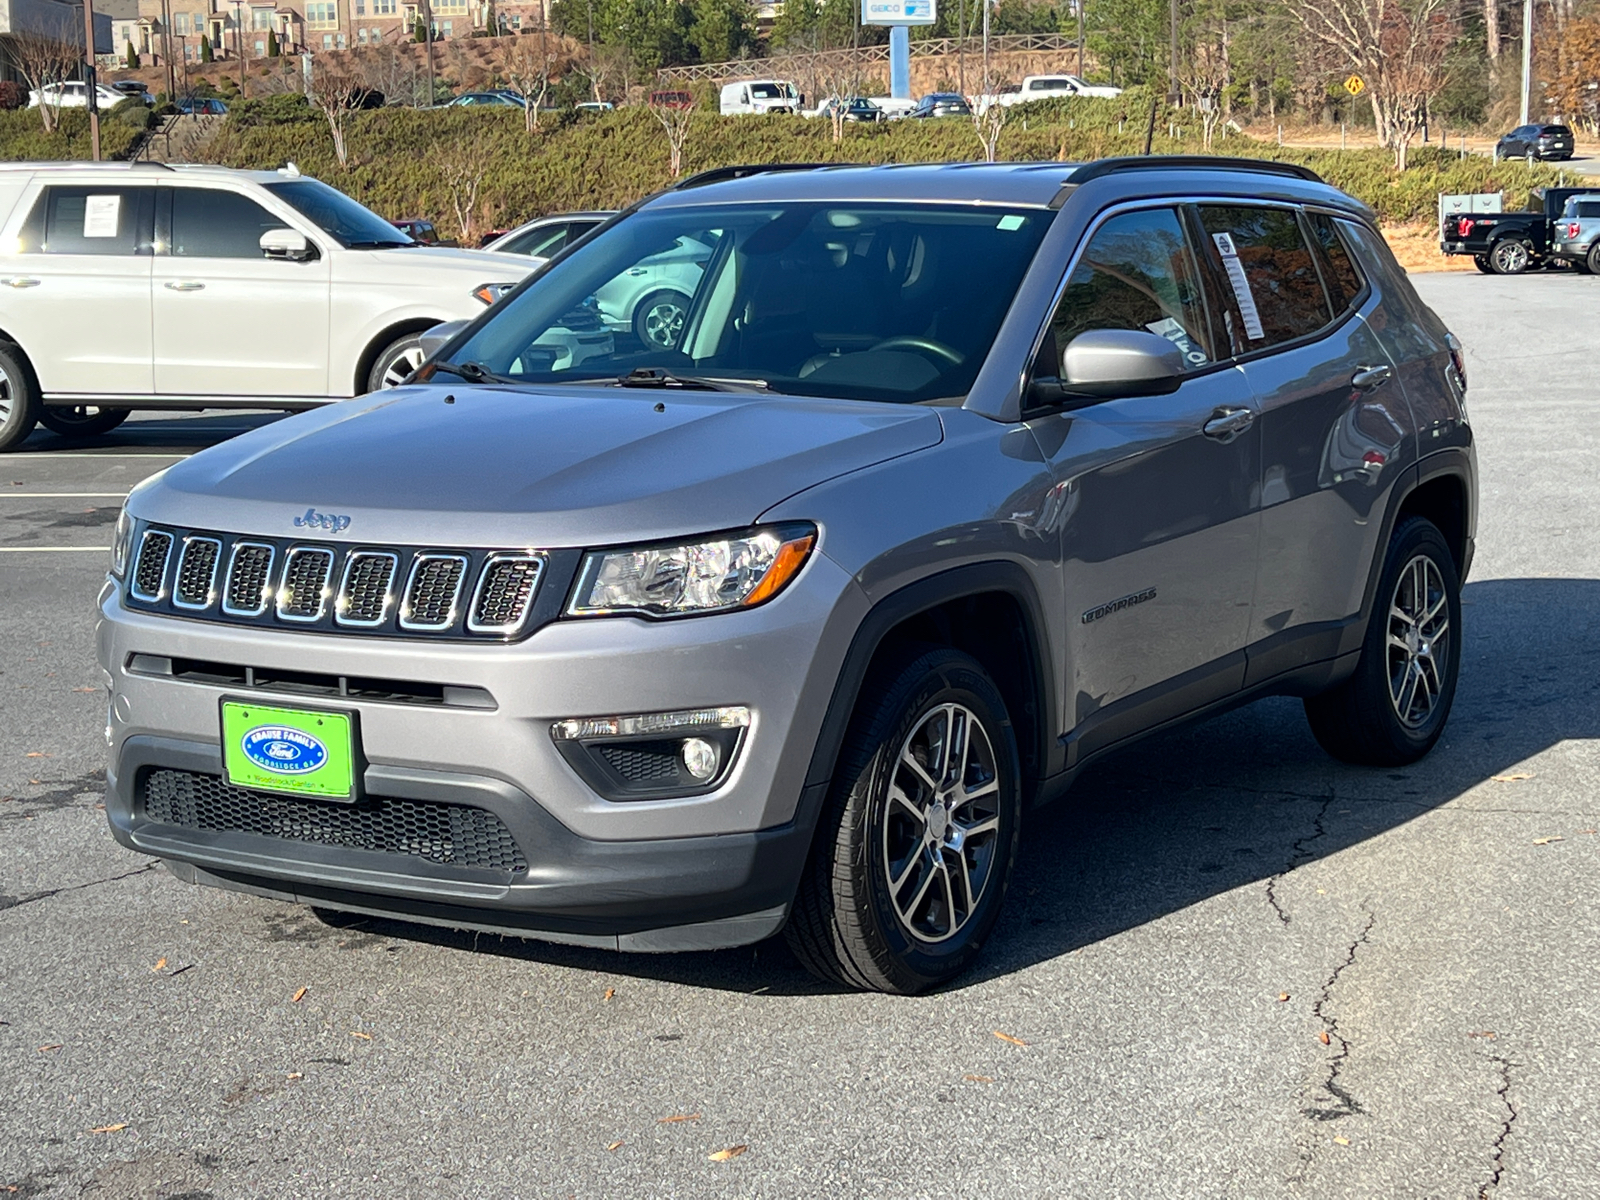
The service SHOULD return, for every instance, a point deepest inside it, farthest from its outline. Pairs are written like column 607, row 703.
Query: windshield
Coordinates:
column 341, row 218
column 769, row 91
column 854, row 300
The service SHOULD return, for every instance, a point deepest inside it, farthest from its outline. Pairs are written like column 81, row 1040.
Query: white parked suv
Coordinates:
column 75, row 94
column 126, row 286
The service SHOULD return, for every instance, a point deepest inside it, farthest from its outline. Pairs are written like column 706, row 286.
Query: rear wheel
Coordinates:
column 1510, row 256
column 916, row 845
column 81, row 421
column 394, row 366
column 1592, row 259
column 1481, row 261
column 1394, row 707
column 19, row 401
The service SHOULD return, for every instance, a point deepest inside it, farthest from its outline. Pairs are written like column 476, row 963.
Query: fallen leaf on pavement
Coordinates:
column 51, row 1046
column 1483, row 1033
column 1282, row 996
column 1589, row 831
column 730, row 1152
column 1545, row 841
column 294, row 1075
column 298, row 996
column 365, row 1037
column 614, row 1146
column 610, row 992
column 1341, row 1141
column 673, row 1120
column 1006, row 1037
column 978, row 1078
column 37, row 754
column 1518, row 777
column 1323, row 1037
column 161, row 965
column 110, row 1128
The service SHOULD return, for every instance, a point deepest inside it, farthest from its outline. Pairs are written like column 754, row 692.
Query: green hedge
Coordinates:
column 22, row 136
column 611, row 160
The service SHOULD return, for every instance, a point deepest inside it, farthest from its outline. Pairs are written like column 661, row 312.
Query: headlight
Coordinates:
column 719, row 574
column 490, row 292
column 121, row 543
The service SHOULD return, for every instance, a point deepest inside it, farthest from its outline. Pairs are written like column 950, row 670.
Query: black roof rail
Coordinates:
column 1186, row 162
column 723, row 174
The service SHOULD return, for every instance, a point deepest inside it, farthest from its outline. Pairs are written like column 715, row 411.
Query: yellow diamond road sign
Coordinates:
column 1354, row 85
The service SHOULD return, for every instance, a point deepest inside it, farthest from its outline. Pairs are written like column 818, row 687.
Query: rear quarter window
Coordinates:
column 1272, row 291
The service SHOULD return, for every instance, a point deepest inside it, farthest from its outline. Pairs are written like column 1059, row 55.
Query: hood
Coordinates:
column 497, row 467
column 475, row 263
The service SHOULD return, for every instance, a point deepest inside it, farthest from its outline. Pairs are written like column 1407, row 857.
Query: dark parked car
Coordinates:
column 200, row 106
column 486, row 100
column 942, row 104
column 857, row 108
column 133, row 90
column 1512, row 242
column 1536, row 143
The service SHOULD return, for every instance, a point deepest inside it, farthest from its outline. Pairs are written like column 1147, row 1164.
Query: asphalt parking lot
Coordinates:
column 1229, row 966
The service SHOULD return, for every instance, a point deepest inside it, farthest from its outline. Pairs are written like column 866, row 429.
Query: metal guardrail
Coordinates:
column 783, row 65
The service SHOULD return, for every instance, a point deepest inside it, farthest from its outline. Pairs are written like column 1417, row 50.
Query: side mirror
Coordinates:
column 288, row 244
column 436, row 339
column 1121, row 362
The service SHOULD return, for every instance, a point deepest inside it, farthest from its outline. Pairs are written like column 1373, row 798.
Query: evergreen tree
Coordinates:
column 205, row 49
column 132, row 57
column 273, row 49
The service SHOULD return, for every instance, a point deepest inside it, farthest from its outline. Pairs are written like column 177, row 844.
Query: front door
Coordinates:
column 76, row 292
column 1158, row 516
column 228, row 320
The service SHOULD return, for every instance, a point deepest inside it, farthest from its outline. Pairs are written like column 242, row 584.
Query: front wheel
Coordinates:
column 1592, row 259
column 1394, row 707
column 916, row 844
column 394, row 366
column 81, row 421
column 1510, row 257
column 658, row 319
column 19, row 401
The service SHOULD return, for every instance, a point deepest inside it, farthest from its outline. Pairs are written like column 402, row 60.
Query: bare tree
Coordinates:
column 1206, row 73
column 676, row 120
column 840, row 79
column 602, row 66
column 336, row 95
column 528, row 66
column 1398, row 47
column 462, row 172
column 45, row 58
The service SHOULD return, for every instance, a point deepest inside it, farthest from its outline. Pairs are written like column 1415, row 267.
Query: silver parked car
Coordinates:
column 1575, row 234
column 954, row 479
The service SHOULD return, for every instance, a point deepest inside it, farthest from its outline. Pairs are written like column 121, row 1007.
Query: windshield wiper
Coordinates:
column 655, row 377
column 472, row 372
column 378, row 245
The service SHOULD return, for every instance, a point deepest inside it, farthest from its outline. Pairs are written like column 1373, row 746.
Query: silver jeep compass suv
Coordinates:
column 952, row 479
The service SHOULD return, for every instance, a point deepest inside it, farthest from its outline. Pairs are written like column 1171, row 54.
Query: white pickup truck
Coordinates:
column 1046, row 87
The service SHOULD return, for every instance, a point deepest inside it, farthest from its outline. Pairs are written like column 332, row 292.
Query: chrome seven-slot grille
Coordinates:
column 399, row 591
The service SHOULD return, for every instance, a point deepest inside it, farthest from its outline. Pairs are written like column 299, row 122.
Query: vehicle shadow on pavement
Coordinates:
column 1226, row 804
column 181, row 433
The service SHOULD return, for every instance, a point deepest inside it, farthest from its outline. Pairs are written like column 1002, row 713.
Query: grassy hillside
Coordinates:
column 22, row 136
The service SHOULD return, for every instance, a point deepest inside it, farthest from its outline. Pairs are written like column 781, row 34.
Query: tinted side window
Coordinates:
column 1272, row 293
column 207, row 223
column 1138, row 272
column 110, row 222
column 1338, row 269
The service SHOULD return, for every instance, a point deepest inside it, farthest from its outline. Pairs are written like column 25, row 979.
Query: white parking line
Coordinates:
column 54, row 549
column 50, row 455
column 65, row 495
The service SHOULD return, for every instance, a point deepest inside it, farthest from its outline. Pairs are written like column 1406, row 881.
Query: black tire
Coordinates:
column 1359, row 721
column 1481, row 261
column 849, row 923
column 399, row 358
column 19, row 399
column 1591, row 261
column 1510, row 256
column 658, row 319
column 82, row 421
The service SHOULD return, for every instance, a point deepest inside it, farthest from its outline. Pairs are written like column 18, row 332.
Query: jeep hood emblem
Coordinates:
column 316, row 520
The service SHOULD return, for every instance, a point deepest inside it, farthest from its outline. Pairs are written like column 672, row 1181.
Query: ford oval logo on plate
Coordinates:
column 282, row 750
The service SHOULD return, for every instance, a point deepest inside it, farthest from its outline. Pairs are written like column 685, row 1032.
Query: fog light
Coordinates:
column 701, row 759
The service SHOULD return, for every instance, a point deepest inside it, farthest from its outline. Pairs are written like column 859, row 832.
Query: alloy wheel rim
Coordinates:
column 663, row 323
column 1512, row 256
column 941, row 826
column 1418, row 642
column 407, row 361
column 6, row 398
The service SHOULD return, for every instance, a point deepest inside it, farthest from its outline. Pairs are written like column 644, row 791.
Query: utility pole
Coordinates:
column 961, row 46
column 988, row 88
column 1080, row 39
column 1527, row 57
column 238, row 38
column 89, row 77
column 166, row 49
column 427, row 39
column 1172, row 69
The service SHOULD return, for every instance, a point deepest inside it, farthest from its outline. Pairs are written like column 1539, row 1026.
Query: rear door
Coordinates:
column 78, row 288
column 228, row 320
column 1333, row 422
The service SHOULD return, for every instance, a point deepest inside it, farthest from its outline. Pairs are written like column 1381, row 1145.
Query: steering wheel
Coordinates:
column 938, row 349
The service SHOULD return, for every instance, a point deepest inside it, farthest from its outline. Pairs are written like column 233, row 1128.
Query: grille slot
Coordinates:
column 504, row 594
column 450, row 834
column 150, row 573
column 433, row 591
column 249, row 586
column 303, row 595
column 367, row 590
column 196, row 586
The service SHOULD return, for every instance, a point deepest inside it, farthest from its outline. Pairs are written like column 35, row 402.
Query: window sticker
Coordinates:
column 1241, row 286
column 100, row 216
column 1009, row 222
column 1168, row 328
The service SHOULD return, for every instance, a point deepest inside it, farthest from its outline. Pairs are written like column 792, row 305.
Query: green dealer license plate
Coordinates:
column 288, row 750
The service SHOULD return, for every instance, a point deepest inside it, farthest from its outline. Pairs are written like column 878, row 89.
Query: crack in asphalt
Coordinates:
column 1346, row 1104
column 1498, row 1148
column 1299, row 852
column 9, row 902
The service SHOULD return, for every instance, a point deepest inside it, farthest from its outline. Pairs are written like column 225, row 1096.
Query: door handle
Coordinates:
column 1368, row 378
column 1229, row 423
column 20, row 282
column 184, row 285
